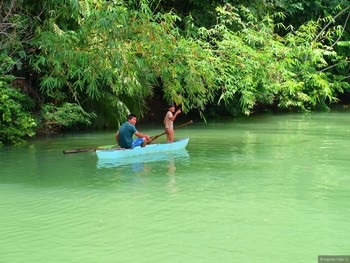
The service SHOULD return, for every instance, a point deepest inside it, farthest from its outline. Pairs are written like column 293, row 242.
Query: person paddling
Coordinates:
column 124, row 135
column 169, row 119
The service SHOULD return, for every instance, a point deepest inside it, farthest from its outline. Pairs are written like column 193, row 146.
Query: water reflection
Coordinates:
column 172, row 178
column 139, row 163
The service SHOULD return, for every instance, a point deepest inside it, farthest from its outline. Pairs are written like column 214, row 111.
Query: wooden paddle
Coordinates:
column 81, row 150
column 178, row 127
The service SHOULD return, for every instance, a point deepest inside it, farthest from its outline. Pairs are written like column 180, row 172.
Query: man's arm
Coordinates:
column 141, row 135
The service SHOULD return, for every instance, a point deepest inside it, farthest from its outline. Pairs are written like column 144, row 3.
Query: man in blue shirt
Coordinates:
column 124, row 136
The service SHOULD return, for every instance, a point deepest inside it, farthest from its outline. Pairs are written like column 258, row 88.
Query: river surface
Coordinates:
column 270, row 188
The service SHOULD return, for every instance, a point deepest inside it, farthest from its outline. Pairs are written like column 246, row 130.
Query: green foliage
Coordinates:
column 15, row 123
column 123, row 53
column 299, row 12
column 112, row 112
column 90, row 63
column 257, row 69
column 181, row 66
column 68, row 115
column 94, row 62
column 14, row 36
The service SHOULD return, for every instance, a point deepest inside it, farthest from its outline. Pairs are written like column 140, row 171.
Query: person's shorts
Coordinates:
column 136, row 142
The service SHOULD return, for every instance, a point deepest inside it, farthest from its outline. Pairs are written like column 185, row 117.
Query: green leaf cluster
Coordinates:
column 257, row 69
column 16, row 124
column 68, row 115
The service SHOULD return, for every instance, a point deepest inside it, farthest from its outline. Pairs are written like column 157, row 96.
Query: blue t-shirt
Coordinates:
column 126, row 131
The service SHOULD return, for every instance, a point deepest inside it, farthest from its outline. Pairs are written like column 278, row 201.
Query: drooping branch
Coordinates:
column 346, row 21
column 329, row 23
column 327, row 68
column 9, row 12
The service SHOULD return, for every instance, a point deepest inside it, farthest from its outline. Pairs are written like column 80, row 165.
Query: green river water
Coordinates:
column 272, row 188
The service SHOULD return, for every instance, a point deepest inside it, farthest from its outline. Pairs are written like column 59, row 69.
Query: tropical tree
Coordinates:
column 258, row 69
column 116, row 55
column 16, row 123
column 16, row 120
column 77, row 64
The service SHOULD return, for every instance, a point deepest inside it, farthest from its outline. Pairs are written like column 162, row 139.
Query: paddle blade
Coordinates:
column 79, row 150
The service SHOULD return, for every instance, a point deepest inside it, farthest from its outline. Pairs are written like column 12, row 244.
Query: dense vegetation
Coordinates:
column 73, row 64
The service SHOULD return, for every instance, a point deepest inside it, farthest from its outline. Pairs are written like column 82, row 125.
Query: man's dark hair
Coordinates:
column 130, row 116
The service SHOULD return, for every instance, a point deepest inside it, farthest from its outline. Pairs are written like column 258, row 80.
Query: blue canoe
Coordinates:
column 139, row 161
column 118, row 153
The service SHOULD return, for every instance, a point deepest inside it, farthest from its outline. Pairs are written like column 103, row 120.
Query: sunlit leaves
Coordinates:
column 258, row 68
column 125, row 51
column 344, row 43
column 104, row 54
column 67, row 115
column 15, row 123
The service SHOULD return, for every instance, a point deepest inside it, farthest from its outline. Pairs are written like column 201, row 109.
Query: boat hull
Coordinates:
column 137, row 162
column 137, row 151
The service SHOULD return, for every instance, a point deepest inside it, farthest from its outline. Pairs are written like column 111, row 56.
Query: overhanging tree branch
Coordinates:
column 328, row 24
column 334, row 66
column 346, row 21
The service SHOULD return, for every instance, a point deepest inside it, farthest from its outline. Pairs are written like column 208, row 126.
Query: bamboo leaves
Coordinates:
column 260, row 69
column 240, row 63
column 108, row 56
